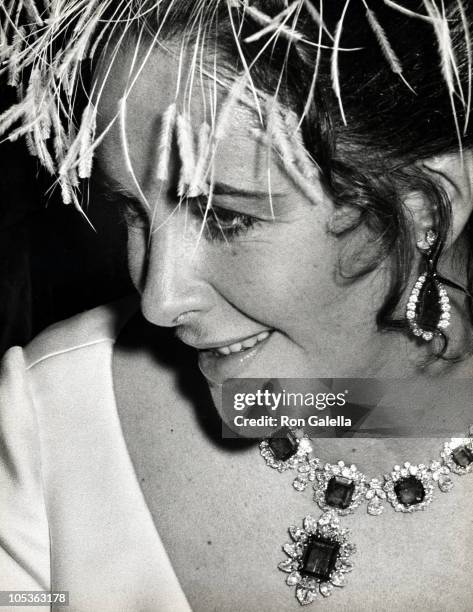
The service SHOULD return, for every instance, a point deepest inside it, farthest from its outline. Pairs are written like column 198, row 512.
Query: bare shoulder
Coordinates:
column 80, row 331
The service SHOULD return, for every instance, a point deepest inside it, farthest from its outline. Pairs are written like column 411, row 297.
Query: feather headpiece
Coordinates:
column 45, row 46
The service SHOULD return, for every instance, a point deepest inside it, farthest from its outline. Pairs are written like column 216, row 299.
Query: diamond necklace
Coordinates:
column 319, row 554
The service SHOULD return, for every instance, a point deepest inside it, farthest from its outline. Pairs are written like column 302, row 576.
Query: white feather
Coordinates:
column 185, row 141
column 165, row 142
column 197, row 186
column 334, row 63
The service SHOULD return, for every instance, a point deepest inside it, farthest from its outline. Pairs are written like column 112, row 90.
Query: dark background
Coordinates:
column 52, row 264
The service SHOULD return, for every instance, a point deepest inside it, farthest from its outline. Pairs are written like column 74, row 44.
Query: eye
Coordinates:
column 222, row 223
column 132, row 213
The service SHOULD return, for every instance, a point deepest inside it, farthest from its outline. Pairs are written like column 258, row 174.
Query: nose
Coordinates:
column 173, row 290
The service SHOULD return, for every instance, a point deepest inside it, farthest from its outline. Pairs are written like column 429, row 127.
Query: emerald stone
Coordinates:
column 320, row 557
column 462, row 456
column 409, row 491
column 284, row 446
column 339, row 492
column 428, row 310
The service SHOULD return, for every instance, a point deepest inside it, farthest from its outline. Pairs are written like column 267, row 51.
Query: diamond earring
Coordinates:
column 428, row 307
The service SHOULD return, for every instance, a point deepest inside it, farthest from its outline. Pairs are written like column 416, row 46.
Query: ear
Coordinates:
column 454, row 173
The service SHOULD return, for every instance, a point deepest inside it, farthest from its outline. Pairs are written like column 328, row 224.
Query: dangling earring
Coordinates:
column 428, row 308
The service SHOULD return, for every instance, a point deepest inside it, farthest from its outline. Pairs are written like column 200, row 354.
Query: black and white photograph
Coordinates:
column 236, row 305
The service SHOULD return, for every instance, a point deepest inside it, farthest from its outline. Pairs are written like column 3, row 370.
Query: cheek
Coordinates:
column 279, row 282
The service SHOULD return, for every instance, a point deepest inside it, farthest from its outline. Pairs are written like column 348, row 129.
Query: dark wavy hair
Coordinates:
column 392, row 89
column 371, row 160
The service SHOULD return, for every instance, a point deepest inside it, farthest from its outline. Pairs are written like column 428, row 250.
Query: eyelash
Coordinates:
column 132, row 215
column 221, row 224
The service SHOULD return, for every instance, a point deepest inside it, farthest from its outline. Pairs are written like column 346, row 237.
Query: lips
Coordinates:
column 219, row 363
column 238, row 347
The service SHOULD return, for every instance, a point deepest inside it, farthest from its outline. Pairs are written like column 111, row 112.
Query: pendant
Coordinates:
column 319, row 557
column 428, row 308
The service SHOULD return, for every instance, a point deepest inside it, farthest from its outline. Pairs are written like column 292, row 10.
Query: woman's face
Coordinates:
column 261, row 297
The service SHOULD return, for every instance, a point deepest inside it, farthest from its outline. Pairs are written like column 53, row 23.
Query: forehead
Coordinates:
column 155, row 82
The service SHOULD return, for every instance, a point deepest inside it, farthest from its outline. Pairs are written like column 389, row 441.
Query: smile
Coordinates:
column 219, row 363
column 238, row 347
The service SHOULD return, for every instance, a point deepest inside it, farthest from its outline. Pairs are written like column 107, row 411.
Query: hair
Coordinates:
column 375, row 91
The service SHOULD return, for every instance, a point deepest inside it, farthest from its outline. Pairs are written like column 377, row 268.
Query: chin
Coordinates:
column 216, row 393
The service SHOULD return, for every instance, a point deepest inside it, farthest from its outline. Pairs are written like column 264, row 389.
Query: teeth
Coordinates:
column 240, row 346
column 249, row 342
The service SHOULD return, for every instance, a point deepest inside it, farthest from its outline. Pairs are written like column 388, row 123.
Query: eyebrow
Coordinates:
column 229, row 190
column 116, row 188
column 113, row 190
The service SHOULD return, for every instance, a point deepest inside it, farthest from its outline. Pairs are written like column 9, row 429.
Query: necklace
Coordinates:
column 319, row 553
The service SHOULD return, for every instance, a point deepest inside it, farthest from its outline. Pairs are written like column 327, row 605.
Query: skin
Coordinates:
column 280, row 275
column 223, row 514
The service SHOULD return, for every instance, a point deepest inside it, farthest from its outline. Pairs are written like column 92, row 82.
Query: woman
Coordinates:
column 296, row 182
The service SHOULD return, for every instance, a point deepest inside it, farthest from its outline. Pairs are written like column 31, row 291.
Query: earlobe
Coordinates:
column 454, row 174
column 421, row 212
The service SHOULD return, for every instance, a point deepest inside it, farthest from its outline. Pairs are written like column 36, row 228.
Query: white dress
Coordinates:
column 72, row 514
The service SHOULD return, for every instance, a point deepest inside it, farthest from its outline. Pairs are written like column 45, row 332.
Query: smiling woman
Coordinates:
column 224, row 266
column 295, row 179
